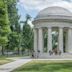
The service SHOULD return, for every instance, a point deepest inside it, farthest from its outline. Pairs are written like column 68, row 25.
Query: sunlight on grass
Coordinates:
column 4, row 60
column 46, row 66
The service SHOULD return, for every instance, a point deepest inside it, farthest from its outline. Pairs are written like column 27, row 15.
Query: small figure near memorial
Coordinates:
column 33, row 53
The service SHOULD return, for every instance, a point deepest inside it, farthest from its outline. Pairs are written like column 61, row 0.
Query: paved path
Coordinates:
column 19, row 62
column 13, row 65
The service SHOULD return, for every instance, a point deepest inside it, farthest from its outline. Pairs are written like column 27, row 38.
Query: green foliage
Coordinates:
column 4, row 23
column 13, row 40
column 3, row 41
column 27, row 35
column 14, row 24
column 2, row 4
column 11, row 34
column 13, row 12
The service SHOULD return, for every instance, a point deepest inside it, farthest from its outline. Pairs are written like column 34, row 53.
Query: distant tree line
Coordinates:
column 12, row 36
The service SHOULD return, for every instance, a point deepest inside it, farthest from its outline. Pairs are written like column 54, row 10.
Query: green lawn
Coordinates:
column 46, row 66
column 4, row 60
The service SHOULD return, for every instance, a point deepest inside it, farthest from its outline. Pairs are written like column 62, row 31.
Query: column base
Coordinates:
column 62, row 56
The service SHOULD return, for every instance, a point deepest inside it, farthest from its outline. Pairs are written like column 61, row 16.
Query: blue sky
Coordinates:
column 32, row 7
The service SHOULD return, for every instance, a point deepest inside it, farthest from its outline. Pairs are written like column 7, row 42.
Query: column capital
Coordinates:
column 69, row 27
column 49, row 27
column 60, row 27
column 39, row 28
column 35, row 29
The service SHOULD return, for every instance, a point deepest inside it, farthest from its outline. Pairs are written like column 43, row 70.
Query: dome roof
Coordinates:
column 53, row 10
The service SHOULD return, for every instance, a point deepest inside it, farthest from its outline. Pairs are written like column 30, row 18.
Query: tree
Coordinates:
column 14, row 37
column 4, row 25
column 27, row 41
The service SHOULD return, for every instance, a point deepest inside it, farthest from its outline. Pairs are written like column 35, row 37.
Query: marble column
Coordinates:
column 60, row 40
column 40, row 40
column 49, row 39
column 66, row 42
column 69, row 40
column 35, row 43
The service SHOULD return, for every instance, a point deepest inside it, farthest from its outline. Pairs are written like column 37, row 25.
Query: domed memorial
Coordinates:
column 52, row 32
column 53, row 11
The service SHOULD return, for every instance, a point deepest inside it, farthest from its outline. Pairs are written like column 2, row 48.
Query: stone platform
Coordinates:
column 62, row 56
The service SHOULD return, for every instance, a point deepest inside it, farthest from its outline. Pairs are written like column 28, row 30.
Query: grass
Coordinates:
column 4, row 60
column 7, row 59
column 46, row 66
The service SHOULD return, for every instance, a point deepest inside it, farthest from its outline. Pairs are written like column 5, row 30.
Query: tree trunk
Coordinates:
column 2, row 50
column 18, row 51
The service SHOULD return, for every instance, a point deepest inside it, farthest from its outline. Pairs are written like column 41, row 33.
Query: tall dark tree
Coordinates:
column 27, row 41
column 14, row 37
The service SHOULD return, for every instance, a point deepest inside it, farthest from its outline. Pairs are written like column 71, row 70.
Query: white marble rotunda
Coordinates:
column 52, row 19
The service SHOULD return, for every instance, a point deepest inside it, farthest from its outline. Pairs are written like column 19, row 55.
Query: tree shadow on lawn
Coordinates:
column 47, row 67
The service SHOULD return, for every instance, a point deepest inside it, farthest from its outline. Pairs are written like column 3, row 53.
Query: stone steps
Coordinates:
column 62, row 56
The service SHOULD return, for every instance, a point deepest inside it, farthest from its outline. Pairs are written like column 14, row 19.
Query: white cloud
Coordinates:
column 30, row 23
column 64, row 4
column 37, row 4
column 40, row 4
